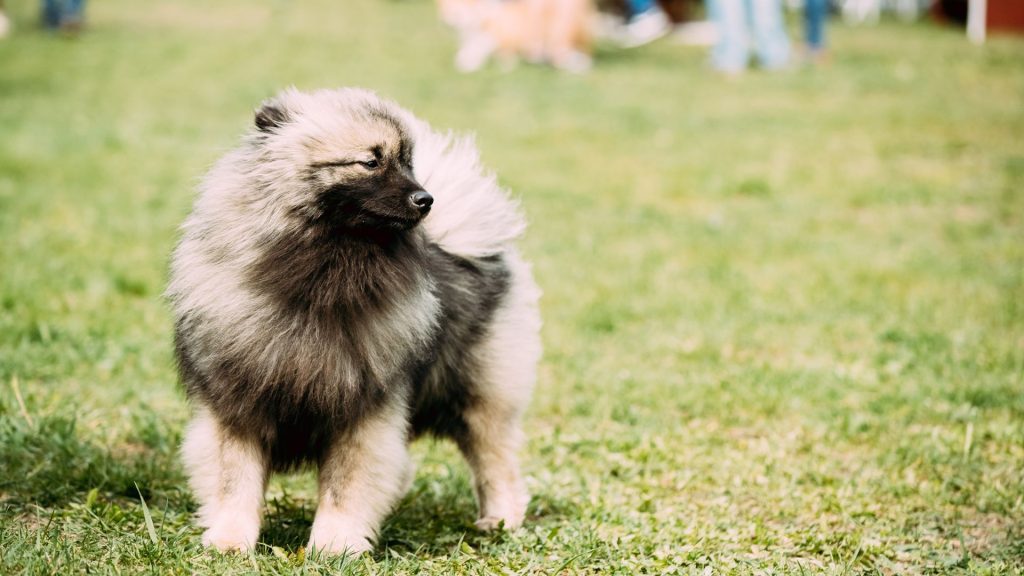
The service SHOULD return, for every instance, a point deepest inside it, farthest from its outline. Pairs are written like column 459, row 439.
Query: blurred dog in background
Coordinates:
column 556, row 32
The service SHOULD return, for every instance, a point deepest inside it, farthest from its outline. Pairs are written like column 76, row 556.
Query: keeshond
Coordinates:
column 346, row 282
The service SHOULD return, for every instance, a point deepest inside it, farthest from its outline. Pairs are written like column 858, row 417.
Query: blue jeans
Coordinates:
column 739, row 22
column 815, row 12
column 639, row 6
column 58, row 12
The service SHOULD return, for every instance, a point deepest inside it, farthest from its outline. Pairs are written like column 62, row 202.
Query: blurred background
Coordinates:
column 781, row 244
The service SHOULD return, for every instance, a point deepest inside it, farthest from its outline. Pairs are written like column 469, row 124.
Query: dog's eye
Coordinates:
column 371, row 164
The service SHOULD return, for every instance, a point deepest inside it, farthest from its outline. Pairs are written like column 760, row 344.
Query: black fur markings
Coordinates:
column 270, row 115
column 364, row 203
column 324, row 271
column 471, row 291
column 333, row 164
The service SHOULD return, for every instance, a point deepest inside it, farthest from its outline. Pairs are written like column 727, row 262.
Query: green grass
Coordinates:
column 784, row 315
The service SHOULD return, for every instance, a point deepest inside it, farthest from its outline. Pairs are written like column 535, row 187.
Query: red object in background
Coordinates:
column 1005, row 15
column 1001, row 15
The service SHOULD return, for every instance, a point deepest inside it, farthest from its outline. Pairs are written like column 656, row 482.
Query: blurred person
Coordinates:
column 815, row 14
column 556, row 32
column 64, row 15
column 645, row 23
column 742, row 22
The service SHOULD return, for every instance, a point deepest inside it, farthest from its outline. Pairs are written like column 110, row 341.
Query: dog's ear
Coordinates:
column 270, row 115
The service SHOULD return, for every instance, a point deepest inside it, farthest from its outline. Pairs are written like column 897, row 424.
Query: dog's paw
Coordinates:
column 492, row 523
column 339, row 546
column 505, row 509
column 332, row 539
column 229, row 537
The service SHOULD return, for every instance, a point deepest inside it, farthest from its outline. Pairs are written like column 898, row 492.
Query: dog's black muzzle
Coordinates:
column 421, row 200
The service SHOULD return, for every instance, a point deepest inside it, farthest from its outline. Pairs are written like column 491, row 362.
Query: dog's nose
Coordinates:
column 421, row 200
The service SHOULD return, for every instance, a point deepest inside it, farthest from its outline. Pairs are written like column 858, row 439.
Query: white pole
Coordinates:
column 976, row 21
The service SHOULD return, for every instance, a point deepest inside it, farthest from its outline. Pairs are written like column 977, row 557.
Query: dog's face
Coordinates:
column 345, row 157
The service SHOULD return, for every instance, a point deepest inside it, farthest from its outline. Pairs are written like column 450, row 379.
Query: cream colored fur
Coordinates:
column 228, row 477
column 363, row 476
column 506, row 387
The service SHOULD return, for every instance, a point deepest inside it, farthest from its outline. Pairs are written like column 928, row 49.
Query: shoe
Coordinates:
column 645, row 28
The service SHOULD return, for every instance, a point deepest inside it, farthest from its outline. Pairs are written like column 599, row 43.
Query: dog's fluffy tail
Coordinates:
column 472, row 215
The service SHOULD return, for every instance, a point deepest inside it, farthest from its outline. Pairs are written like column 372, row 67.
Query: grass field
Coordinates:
column 784, row 315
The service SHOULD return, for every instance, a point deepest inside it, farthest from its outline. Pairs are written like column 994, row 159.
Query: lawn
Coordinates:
column 784, row 314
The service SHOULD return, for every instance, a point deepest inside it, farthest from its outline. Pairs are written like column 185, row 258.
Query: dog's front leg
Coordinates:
column 228, row 475
column 474, row 50
column 362, row 476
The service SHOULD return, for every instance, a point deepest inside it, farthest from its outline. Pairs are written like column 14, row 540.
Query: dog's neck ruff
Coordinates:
column 348, row 273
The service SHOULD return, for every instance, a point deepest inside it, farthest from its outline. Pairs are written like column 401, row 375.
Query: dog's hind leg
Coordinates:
column 362, row 476
column 490, row 446
column 228, row 476
column 507, row 360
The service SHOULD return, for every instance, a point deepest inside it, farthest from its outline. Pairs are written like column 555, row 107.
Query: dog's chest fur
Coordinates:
column 336, row 331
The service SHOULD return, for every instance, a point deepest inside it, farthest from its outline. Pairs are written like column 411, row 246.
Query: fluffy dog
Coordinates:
column 553, row 31
column 346, row 282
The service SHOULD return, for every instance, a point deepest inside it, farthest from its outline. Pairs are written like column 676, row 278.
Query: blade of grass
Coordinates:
column 149, row 517
column 21, row 402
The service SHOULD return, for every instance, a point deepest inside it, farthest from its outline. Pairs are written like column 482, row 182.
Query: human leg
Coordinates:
column 729, row 54
column 769, row 31
column 815, row 14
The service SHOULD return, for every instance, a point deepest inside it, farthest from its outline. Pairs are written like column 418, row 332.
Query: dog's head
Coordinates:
column 340, row 159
